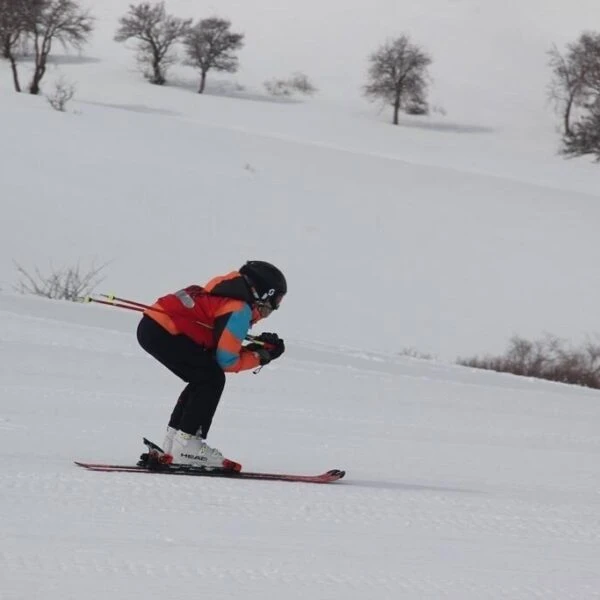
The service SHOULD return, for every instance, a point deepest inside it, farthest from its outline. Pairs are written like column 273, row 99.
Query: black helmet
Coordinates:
column 267, row 282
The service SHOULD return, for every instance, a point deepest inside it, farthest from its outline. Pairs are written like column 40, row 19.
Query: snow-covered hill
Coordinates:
column 448, row 235
column 461, row 484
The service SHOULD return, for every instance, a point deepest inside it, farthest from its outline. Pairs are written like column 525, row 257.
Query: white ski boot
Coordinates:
column 168, row 442
column 193, row 450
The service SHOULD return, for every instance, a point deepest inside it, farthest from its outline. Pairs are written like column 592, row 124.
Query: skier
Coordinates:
column 197, row 333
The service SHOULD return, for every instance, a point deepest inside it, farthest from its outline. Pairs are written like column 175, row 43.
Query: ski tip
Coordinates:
column 336, row 474
column 82, row 464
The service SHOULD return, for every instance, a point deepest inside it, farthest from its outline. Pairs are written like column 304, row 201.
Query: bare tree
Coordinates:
column 398, row 75
column 58, row 20
column 11, row 31
column 565, row 87
column 584, row 137
column 575, row 88
column 211, row 45
column 156, row 33
column 16, row 17
column 575, row 74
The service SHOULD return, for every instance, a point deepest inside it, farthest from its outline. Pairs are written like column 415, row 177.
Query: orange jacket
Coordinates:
column 217, row 316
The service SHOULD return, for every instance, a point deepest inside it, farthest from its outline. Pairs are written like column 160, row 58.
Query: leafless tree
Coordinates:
column 210, row 45
column 565, row 87
column 584, row 137
column 398, row 75
column 11, row 30
column 575, row 88
column 58, row 20
column 574, row 75
column 16, row 17
column 156, row 33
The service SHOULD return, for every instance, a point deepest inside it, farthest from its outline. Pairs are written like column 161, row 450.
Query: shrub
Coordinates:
column 61, row 95
column 548, row 358
column 298, row 83
column 68, row 283
column 412, row 352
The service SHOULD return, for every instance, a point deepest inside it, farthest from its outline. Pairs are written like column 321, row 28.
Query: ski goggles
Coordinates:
column 266, row 306
column 276, row 301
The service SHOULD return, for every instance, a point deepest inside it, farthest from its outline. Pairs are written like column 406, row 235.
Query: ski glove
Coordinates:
column 272, row 347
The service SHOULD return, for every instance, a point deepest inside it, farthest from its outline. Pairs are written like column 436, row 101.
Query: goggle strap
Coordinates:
column 266, row 298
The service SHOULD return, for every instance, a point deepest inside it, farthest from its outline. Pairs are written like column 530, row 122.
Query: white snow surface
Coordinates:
column 448, row 234
column 461, row 484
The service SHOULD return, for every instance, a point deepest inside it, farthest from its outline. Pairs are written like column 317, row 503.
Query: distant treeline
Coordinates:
column 397, row 73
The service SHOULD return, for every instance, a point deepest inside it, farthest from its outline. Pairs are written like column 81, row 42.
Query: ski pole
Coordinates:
column 137, row 307
column 117, row 304
column 140, row 307
column 114, row 298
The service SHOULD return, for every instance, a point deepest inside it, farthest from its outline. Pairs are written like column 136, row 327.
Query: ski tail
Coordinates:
column 154, row 457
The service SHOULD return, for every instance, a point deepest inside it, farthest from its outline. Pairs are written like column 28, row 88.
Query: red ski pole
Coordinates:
column 117, row 302
column 113, row 298
column 120, row 305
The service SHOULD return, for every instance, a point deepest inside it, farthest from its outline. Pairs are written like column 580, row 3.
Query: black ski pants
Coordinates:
column 191, row 362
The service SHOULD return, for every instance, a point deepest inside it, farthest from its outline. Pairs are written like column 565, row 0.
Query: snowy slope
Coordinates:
column 448, row 234
column 381, row 253
column 461, row 484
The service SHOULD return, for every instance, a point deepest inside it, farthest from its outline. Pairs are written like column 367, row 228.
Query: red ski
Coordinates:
column 328, row 477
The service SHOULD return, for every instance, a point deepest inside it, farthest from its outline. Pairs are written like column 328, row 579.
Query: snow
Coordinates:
column 448, row 234
column 461, row 484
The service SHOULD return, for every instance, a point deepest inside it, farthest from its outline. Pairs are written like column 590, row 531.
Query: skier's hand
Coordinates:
column 268, row 346
column 269, row 339
column 275, row 346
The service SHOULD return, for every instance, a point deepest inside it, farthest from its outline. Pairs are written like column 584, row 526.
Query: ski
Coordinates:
column 328, row 477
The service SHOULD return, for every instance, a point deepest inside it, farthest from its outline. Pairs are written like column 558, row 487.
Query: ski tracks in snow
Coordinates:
column 460, row 485
column 70, row 528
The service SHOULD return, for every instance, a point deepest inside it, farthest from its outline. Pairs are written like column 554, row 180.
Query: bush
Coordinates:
column 298, row 83
column 412, row 352
column 61, row 95
column 549, row 358
column 69, row 283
